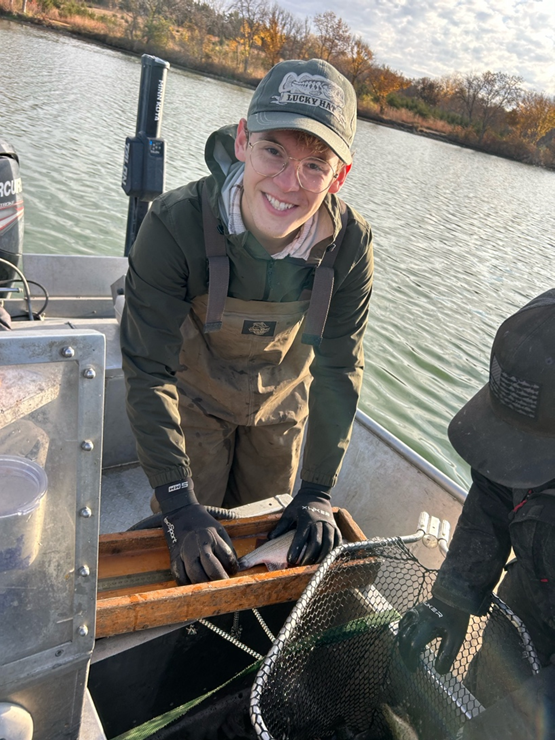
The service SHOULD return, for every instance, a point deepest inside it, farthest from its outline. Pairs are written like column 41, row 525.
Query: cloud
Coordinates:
column 438, row 37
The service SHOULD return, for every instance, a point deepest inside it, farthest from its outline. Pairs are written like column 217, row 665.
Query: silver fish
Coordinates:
column 272, row 553
column 400, row 728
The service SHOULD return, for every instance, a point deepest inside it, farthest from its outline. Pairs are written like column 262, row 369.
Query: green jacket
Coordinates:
column 168, row 268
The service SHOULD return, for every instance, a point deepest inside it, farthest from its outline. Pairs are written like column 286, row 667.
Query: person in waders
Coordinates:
column 506, row 432
column 246, row 304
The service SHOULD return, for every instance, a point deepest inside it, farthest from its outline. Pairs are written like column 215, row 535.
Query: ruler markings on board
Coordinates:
column 132, row 580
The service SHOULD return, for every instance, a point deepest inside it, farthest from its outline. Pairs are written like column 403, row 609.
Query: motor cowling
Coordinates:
column 11, row 212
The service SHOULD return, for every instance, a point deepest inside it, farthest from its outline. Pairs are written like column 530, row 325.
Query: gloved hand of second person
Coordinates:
column 317, row 533
column 200, row 548
column 421, row 624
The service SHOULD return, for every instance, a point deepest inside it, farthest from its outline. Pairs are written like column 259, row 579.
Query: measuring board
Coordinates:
column 136, row 590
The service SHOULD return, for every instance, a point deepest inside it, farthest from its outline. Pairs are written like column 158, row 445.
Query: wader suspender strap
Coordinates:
column 322, row 288
column 218, row 266
column 218, row 276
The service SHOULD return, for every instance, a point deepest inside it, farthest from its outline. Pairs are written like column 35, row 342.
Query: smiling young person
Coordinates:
column 246, row 304
column 276, row 206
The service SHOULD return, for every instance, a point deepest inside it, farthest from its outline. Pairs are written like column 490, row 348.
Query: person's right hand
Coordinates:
column 423, row 623
column 200, row 548
column 316, row 532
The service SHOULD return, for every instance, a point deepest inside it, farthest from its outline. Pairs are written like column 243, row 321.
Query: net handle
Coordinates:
column 529, row 650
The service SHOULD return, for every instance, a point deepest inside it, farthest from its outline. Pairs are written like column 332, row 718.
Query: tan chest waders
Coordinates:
column 244, row 380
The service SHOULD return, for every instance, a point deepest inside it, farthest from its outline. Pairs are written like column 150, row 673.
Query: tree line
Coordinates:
column 242, row 40
column 491, row 110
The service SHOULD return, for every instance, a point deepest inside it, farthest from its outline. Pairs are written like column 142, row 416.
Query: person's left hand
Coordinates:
column 426, row 621
column 317, row 533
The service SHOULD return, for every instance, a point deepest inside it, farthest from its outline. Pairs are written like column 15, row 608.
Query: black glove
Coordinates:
column 200, row 548
column 310, row 512
column 423, row 623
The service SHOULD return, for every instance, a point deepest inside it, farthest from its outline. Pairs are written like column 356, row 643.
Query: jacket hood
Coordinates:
column 219, row 153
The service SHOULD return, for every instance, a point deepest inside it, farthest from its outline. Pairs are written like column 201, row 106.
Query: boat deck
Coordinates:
column 125, row 498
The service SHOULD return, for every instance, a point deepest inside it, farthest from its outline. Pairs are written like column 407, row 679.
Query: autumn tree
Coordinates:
column 534, row 117
column 500, row 93
column 356, row 60
column 429, row 91
column 252, row 14
column 148, row 20
column 199, row 21
column 278, row 26
column 201, row 17
column 466, row 90
column 301, row 42
column 134, row 11
column 483, row 97
column 333, row 35
column 383, row 81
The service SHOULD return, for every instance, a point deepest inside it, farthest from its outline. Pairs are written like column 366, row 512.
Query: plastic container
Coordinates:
column 23, row 486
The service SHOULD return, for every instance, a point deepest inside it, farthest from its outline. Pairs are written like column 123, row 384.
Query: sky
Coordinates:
column 431, row 38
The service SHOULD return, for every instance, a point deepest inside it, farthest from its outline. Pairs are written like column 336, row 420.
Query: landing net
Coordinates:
column 335, row 664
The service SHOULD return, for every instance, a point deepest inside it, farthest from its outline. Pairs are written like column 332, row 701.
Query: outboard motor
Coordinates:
column 11, row 214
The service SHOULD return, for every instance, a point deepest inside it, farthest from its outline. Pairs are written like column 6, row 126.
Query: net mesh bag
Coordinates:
column 334, row 671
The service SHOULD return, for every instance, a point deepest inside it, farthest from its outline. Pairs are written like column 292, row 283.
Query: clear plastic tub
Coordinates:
column 23, row 486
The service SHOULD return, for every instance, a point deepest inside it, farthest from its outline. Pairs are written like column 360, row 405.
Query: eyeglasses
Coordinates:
column 271, row 159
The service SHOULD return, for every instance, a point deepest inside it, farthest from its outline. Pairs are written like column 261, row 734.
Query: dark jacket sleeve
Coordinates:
column 338, row 363
column 155, row 307
column 480, row 548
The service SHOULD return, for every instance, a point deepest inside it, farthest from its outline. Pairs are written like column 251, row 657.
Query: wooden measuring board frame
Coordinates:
column 130, row 558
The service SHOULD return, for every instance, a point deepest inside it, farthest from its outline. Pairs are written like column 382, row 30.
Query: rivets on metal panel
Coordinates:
column 89, row 373
column 84, row 571
column 82, row 630
column 67, row 352
column 85, row 512
column 87, row 445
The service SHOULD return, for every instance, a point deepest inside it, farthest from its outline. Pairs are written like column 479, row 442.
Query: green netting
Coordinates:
column 335, row 671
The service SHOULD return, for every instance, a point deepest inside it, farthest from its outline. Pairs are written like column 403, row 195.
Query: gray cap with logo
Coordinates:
column 310, row 96
column 507, row 430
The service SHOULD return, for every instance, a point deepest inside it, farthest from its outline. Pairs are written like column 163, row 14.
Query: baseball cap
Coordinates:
column 507, row 430
column 310, row 96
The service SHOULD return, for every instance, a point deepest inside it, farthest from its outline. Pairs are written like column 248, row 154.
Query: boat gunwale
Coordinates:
column 411, row 456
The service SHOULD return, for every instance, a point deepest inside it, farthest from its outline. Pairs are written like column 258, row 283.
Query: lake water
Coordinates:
column 462, row 239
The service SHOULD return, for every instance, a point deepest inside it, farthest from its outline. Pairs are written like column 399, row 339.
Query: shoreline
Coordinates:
column 111, row 42
column 121, row 44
